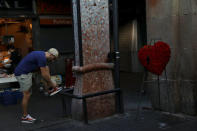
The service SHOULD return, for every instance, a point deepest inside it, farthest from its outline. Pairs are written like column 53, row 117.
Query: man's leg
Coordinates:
column 26, row 118
column 25, row 82
column 26, row 96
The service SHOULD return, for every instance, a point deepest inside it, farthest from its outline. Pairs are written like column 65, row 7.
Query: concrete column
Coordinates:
column 92, row 45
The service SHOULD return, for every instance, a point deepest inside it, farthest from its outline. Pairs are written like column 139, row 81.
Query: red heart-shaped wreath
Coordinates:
column 155, row 58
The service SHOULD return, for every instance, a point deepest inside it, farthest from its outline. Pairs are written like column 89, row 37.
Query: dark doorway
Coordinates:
column 132, row 36
column 132, row 33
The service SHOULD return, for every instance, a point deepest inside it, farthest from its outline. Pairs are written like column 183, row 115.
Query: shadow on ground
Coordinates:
column 48, row 110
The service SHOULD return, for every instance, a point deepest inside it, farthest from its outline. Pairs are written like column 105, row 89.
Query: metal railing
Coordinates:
column 117, row 91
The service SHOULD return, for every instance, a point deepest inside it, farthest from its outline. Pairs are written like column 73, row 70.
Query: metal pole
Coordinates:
column 116, row 50
column 63, row 106
column 159, row 92
column 116, row 42
column 85, row 113
column 34, row 7
column 77, row 32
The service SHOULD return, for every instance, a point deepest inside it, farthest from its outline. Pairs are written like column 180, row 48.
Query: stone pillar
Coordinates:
column 174, row 22
column 92, row 45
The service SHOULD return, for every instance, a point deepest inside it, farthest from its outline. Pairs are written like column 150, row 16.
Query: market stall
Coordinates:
column 15, row 43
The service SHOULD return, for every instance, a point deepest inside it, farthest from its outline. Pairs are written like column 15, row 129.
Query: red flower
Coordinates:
column 155, row 58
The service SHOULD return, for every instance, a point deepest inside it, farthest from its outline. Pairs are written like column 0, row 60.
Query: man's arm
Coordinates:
column 46, row 75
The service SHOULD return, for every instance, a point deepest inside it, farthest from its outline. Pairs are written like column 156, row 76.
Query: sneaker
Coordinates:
column 27, row 119
column 55, row 91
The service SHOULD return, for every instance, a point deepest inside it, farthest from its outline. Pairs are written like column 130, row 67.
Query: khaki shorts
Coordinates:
column 25, row 81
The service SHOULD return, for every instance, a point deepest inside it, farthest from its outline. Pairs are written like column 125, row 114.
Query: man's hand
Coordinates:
column 54, row 85
column 46, row 75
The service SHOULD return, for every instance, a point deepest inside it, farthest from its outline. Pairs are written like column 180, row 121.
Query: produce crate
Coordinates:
column 10, row 97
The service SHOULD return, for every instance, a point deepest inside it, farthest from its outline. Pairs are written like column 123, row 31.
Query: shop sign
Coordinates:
column 61, row 7
column 62, row 21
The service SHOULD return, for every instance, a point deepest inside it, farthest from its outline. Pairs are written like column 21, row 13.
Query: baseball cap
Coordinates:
column 54, row 52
